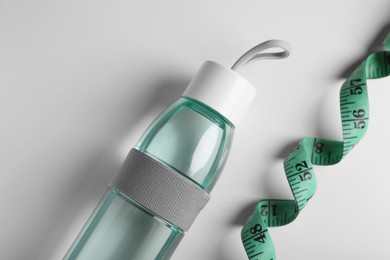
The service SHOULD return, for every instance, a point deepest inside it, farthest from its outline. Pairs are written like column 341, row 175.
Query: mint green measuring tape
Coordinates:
column 298, row 165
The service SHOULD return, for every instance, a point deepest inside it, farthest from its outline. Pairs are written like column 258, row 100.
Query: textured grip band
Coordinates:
column 160, row 189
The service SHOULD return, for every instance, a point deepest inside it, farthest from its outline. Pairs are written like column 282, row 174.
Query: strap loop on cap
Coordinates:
column 255, row 53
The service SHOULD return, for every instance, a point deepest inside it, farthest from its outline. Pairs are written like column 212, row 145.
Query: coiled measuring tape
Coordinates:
column 298, row 165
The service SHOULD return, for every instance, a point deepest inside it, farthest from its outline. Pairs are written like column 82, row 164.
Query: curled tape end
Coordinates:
column 386, row 42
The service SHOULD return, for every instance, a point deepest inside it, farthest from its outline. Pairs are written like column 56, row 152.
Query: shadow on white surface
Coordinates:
column 94, row 172
column 375, row 45
column 267, row 185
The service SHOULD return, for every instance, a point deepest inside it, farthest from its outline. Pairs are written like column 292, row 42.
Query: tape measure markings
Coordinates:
column 298, row 165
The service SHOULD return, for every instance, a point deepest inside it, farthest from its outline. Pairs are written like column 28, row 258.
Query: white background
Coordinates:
column 80, row 80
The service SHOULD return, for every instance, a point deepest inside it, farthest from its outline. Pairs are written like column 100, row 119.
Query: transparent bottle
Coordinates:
column 193, row 137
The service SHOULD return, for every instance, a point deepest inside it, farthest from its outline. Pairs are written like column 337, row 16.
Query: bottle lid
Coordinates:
column 222, row 89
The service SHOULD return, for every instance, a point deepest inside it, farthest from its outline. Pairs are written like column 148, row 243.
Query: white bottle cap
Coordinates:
column 222, row 89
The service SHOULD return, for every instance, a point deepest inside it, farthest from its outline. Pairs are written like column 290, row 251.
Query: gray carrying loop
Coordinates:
column 160, row 189
column 257, row 53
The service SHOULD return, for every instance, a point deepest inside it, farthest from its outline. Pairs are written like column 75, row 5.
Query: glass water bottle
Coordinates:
column 167, row 177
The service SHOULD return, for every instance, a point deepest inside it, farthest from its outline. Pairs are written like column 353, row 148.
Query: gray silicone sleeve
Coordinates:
column 160, row 189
